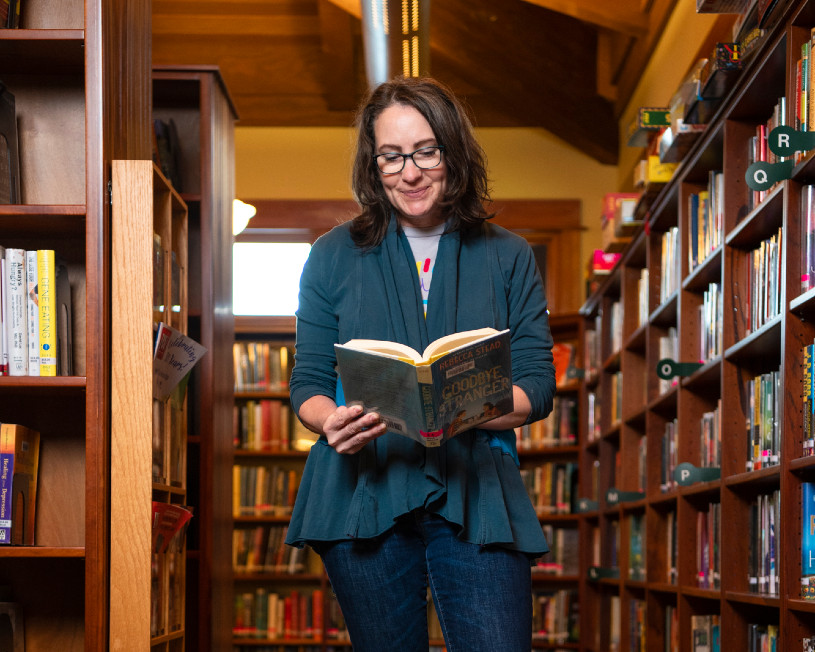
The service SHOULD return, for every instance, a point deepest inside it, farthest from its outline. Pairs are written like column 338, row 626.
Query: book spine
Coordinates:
column 3, row 317
column 33, row 313
column 46, row 281
column 16, row 327
column 7, row 445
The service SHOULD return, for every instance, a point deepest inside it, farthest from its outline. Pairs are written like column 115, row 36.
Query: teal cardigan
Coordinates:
column 488, row 278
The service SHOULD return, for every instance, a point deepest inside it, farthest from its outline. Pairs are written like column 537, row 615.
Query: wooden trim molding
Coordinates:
column 555, row 223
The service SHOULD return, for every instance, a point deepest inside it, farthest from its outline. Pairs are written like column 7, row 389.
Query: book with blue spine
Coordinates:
column 808, row 540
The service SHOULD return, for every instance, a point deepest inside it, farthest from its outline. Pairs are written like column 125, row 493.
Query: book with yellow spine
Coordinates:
column 46, row 283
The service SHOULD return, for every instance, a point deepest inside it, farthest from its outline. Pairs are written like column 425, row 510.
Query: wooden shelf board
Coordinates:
column 50, row 552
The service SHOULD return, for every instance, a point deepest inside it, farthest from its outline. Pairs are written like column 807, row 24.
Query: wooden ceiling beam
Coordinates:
column 620, row 15
column 339, row 61
column 352, row 7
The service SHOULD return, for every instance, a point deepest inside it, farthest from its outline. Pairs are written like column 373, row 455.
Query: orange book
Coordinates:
column 563, row 354
column 19, row 467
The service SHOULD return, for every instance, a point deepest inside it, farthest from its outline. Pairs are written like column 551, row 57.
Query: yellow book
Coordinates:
column 46, row 282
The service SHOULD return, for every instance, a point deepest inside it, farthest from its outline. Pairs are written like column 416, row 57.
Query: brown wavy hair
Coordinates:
column 467, row 190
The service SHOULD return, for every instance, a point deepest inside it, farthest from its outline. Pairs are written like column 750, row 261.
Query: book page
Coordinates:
column 384, row 347
column 448, row 343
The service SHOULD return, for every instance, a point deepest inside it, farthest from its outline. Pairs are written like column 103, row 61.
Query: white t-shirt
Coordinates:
column 424, row 243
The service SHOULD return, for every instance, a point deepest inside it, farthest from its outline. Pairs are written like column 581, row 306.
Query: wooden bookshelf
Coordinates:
column 67, row 66
column 625, row 453
column 196, row 99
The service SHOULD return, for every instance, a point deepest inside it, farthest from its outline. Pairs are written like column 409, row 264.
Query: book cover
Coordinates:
column 460, row 381
column 3, row 316
column 32, row 313
column 174, row 357
column 47, row 295
column 808, row 540
column 19, row 466
column 17, row 327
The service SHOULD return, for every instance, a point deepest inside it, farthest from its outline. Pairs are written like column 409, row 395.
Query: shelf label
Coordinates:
column 782, row 141
column 600, row 573
column 667, row 368
column 615, row 497
column 585, row 505
column 686, row 473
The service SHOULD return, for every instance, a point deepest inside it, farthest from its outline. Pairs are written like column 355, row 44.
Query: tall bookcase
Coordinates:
column 197, row 102
column 627, row 484
column 75, row 70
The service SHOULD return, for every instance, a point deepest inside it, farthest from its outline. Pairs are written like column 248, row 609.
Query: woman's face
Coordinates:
column 415, row 193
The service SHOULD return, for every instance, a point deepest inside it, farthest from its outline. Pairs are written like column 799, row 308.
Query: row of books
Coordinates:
column 262, row 425
column 705, row 633
column 808, row 238
column 804, row 108
column 562, row 558
column 636, row 547
column 19, row 469
column 763, row 426
column 35, row 314
column 763, row 576
column 763, row 638
column 758, row 147
column 551, row 487
column 705, row 220
column 263, row 549
column 764, row 282
column 159, row 275
column 615, row 326
column 711, row 323
column 710, row 437
column 669, row 456
column 268, row 615
column 167, row 591
column 594, row 404
column 169, row 444
column 615, row 403
column 558, row 429
column 555, row 616
column 261, row 366
column 669, row 264
column 592, row 342
column 708, row 552
column 637, row 626
column 261, row 490
column 808, row 399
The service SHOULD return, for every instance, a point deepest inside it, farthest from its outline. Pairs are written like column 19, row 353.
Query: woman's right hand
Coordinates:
column 348, row 428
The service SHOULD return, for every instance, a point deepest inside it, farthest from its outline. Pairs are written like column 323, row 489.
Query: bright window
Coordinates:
column 266, row 277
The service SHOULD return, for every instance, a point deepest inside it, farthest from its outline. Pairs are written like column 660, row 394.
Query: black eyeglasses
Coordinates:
column 424, row 158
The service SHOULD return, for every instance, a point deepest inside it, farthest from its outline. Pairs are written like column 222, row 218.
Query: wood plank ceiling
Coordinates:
column 567, row 66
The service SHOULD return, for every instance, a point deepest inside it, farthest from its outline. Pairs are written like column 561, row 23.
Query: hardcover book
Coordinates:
column 458, row 382
column 19, row 465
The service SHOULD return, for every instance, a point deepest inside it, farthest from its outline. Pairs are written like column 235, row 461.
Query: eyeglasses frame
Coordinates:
column 405, row 157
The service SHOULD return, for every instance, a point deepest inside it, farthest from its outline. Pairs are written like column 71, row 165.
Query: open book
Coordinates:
column 459, row 381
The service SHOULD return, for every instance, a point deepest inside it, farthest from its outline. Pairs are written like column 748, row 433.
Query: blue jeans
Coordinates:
column 482, row 595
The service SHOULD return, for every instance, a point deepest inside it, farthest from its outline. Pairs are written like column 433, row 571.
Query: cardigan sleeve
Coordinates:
column 317, row 331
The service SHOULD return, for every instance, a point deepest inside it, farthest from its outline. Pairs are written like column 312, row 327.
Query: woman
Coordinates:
column 388, row 516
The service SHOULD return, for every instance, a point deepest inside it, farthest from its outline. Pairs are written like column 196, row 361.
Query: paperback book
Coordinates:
column 173, row 359
column 458, row 382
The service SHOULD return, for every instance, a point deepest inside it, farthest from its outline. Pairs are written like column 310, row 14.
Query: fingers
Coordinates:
column 348, row 429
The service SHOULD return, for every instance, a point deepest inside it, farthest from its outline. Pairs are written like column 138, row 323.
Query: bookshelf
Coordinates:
column 745, row 490
column 268, row 464
column 550, row 466
column 197, row 102
column 67, row 66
